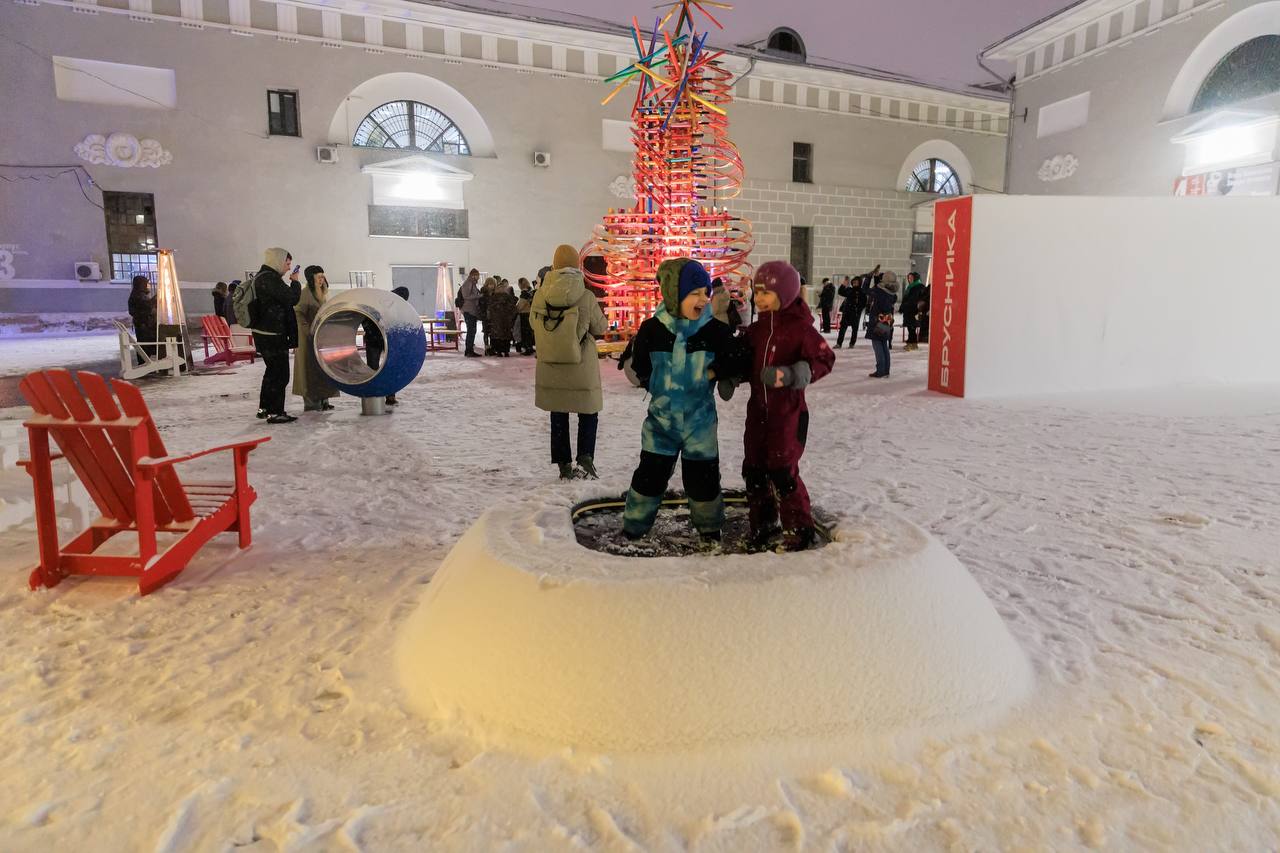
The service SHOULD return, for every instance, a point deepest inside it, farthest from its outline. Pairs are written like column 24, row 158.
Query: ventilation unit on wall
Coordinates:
column 88, row 271
column 542, row 159
column 327, row 153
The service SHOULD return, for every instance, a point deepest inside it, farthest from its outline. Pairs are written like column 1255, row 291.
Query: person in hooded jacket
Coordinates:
column 880, row 306
column 220, row 298
column 855, row 302
column 679, row 355
column 275, row 330
column 788, row 355
column 142, row 310
column 309, row 381
column 827, row 302
column 563, row 385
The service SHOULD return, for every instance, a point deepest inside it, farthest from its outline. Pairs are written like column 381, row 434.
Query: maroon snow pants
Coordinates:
column 775, row 495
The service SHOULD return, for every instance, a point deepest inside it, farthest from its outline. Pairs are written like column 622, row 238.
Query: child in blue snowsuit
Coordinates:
column 678, row 355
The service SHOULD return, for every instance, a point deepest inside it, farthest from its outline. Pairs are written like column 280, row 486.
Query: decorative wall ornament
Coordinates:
column 123, row 150
column 623, row 187
column 1058, row 168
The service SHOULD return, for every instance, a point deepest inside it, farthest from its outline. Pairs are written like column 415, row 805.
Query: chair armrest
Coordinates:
column 147, row 462
column 26, row 463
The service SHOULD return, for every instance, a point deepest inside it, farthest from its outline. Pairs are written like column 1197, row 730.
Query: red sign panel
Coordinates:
column 949, row 311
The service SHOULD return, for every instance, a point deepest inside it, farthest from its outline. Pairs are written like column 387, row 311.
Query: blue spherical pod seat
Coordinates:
column 343, row 315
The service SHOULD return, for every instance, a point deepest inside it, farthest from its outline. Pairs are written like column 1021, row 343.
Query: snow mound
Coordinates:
column 524, row 632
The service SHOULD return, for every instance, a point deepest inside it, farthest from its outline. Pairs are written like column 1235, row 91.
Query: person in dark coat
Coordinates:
column 228, row 308
column 913, row 308
column 788, row 354
column 220, row 299
column 880, row 307
column 142, row 308
column 851, row 309
column 275, row 330
column 827, row 301
column 501, row 318
column 523, row 305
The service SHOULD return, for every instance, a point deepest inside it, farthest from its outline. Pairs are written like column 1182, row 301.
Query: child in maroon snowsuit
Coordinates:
column 788, row 354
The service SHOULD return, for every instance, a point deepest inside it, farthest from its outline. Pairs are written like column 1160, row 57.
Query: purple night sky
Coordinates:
column 933, row 40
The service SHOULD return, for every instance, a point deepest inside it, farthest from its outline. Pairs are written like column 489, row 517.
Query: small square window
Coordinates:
column 282, row 113
column 801, row 162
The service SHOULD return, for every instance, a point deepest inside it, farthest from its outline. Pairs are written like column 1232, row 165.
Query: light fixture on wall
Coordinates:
column 1229, row 139
column 419, row 186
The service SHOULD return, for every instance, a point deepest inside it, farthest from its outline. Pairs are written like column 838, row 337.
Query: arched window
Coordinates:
column 1251, row 70
column 787, row 41
column 934, row 176
column 410, row 125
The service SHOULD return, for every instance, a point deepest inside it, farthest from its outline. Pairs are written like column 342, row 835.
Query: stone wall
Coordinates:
column 853, row 228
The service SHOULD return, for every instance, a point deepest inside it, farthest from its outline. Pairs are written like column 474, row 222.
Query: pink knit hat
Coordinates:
column 781, row 278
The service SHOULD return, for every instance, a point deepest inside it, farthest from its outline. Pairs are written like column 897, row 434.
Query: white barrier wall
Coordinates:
column 1093, row 293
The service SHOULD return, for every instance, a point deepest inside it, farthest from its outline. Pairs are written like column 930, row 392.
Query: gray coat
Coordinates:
column 309, row 381
column 570, row 387
column 470, row 294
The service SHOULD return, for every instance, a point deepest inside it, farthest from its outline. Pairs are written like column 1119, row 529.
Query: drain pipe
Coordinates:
column 1008, row 87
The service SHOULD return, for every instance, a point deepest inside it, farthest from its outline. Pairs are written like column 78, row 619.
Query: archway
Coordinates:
column 939, row 149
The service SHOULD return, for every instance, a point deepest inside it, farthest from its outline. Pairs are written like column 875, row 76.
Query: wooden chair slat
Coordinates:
column 99, row 394
column 112, row 450
column 41, row 396
column 167, row 482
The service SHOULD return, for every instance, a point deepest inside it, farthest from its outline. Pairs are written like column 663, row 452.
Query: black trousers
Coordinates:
column 826, row 320
column 275, row 379
column 471, row 319
column 848, row 320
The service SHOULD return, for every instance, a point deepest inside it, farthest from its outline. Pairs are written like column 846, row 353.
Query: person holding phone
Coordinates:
column 275, row 330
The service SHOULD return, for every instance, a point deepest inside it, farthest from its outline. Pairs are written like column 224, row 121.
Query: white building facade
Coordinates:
column 217, row 128
column 1146, row 97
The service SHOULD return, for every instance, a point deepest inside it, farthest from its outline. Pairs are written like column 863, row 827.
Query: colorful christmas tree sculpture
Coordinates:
column 685, row 169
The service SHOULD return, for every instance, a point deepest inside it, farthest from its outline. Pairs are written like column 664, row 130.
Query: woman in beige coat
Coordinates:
column 309, row 381
column 567, row 378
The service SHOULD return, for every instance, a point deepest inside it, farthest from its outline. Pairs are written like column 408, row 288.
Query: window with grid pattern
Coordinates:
column 131, row 234
column 934, row 176
column 411, row 125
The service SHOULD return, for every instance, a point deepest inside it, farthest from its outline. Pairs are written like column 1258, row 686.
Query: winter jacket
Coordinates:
column 309, row 381
column 569, row 387
column 525, row 302
column 229, row 310
column 469, row 293
column 271, row 312
column 778, row 418
column 670, row 357
column 502, row 314
column 852, row 293
column 827, row 299
column 915, row 294
column 142, row 308
column 881, row 301
column 219, row 303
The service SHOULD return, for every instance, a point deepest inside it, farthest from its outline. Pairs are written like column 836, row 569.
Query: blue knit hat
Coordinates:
column 678, row 278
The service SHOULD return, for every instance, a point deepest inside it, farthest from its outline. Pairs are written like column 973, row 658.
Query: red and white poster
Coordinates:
column 949, row 311
column 1260, row 180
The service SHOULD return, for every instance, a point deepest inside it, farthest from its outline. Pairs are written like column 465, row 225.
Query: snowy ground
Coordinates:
column 1129, row 541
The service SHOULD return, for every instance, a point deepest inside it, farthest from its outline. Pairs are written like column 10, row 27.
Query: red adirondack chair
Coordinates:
column 228, row 348
column 115, row 449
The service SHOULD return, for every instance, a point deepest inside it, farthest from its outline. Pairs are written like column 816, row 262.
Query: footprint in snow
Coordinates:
column 1187, row 519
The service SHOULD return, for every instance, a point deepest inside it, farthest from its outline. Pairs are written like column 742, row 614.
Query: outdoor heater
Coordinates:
column 373, row 373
